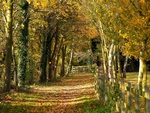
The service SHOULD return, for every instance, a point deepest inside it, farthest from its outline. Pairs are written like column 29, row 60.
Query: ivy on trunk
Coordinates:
column 22, row 42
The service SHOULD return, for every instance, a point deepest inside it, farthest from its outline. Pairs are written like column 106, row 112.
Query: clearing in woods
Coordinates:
column 74, row 94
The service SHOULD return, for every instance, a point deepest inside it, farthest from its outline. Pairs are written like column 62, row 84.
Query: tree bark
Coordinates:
column 57, row 57
column 43, row 65
column 103, row 48
column 62, row 74
column 118, row 62
column 9, row 42
column 22, row 42
column 110, row 61
column 15, row 78
column 125, row 66
column 52, row 56
column 47, row 43
column 142, row 78
column 70, row 61
column 114, row 63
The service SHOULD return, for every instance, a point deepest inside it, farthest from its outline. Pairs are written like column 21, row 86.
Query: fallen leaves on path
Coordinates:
column 67, row 96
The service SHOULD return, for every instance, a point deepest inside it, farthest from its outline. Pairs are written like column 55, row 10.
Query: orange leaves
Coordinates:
column 142, row 2
column 123, row 35
column 63, row 13
column 91, row 32
column 56, row 97
column 128, row 19
column 52, row 4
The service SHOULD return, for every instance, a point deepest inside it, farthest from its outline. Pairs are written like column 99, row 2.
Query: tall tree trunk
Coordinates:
column 142, row 78
column 46, row 51
column 22, row 43
column 118, row 62
column 43, row 65
column 114, row 63
column 57, row 57
column 9, row 42
column 52, row 56
column 104, row 58
column 70, row 61
column 62, row 74
column 103, row 48
column 15, row 67
column 110, row 61
column 125, row 66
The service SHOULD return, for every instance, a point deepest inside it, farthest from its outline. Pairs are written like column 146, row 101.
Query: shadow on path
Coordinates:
column 73, row 95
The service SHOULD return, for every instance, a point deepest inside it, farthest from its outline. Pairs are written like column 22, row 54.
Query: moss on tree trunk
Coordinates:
column 22, row 42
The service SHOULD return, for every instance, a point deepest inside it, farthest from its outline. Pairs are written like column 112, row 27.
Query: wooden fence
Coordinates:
column 128, row 97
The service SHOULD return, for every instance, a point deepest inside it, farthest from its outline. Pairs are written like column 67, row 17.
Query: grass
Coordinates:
column 86, row 107
column 133, row 77
column 94, row 107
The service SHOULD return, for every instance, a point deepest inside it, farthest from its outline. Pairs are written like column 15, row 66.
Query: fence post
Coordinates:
column 123, row 108
column 117, row 85
column 97, row 81
column 129, row 97
column 101, row 88
column 106, row 88
column 147, row 96
column 137, row 99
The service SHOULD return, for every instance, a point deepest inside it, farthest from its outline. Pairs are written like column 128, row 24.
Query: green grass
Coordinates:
column 133, row 77
column 94, row 106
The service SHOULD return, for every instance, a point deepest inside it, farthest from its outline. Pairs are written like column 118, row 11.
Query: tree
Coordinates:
column 128, row 21
column 22, row 42
column 8, row 33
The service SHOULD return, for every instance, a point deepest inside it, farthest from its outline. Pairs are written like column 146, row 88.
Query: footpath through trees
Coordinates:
column 74, row 94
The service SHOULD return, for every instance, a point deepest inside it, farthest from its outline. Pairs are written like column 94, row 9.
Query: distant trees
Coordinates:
column 63, row 26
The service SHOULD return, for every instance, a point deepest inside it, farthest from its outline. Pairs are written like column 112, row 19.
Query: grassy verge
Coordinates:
column 94, row 107
column 86, row 107
column 133, row 77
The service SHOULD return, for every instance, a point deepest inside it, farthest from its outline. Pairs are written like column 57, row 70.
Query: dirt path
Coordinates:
column 66, row 96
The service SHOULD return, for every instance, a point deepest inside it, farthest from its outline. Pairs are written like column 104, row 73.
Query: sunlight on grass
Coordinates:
column 133, row 77
column 95, row 106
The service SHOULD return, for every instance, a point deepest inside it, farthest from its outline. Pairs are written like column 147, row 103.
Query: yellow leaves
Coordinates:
column 42, row 4
column 120, row 10
column 29, row 1
column 142, row 2
column 5, row 5
column 130, row 49
column 138, row 23
column 63, row 13
column 123, row 35
column 36, row 3
column 22, row 26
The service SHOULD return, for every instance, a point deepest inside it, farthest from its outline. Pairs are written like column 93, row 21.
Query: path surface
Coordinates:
column 58, row 97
